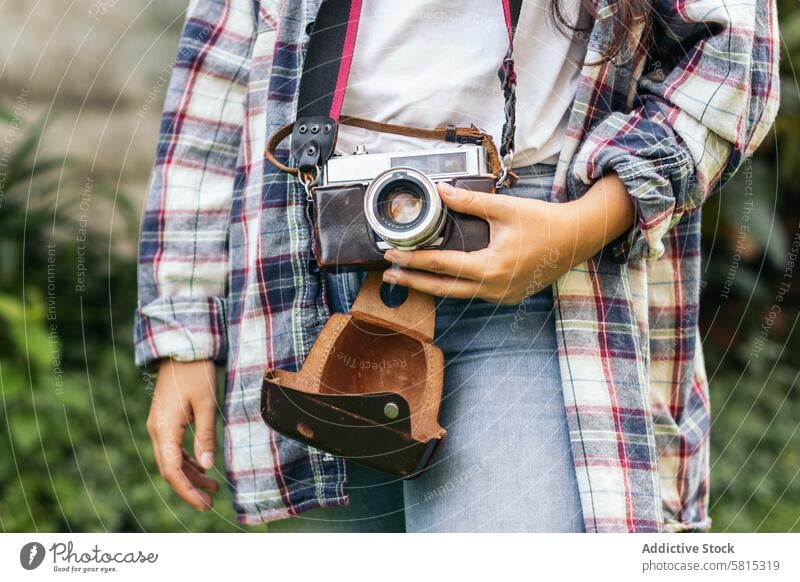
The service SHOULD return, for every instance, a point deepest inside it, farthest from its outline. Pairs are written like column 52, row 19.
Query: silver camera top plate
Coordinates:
column 436, row 163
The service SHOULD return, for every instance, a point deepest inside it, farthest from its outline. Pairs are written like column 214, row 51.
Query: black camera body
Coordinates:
column 369, row 203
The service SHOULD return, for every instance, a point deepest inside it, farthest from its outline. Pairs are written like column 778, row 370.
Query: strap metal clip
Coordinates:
column 507, row 177
column 309, row 181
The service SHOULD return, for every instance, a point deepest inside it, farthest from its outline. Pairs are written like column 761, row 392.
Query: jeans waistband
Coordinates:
column 535, row 170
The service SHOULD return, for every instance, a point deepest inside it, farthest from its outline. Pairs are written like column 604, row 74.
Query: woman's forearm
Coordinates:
column 602, row 214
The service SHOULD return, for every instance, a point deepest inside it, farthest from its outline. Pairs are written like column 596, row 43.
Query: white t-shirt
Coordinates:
column 428, row 63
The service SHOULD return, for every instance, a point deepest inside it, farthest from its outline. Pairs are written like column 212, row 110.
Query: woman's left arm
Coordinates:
column 637, row 173
column 708, row 102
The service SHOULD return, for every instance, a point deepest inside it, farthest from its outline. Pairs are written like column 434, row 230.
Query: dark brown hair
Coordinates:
column 628, row 14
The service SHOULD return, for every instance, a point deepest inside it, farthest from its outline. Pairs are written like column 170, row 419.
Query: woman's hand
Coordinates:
column 185, row 393
column 532, row 243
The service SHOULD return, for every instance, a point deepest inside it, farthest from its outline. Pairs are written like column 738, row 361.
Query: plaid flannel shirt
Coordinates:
column 225, row 247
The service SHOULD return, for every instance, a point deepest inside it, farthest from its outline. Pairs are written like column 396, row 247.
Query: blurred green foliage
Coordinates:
column 74, row 453
column 749, row 315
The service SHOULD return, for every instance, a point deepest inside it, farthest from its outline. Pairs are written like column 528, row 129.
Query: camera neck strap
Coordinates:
column 324, row 82
column 508, row 78
column 329, row 56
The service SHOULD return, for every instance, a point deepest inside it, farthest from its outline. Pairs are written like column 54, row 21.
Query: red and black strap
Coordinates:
column 327, row 64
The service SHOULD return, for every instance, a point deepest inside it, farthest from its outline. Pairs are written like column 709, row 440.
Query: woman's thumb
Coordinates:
column 480, row 204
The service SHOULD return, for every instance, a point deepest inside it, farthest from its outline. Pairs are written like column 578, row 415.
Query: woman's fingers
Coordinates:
column 438, row 285
column 173, row 471
column 456, row 263
column 185, row 394
column 188, row 459
column 472, row 266
column 197, row 476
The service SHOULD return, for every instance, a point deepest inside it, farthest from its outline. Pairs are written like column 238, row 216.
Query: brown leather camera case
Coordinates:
column 370, row 388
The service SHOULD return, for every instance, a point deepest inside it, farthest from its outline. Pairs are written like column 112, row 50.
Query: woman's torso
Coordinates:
column 435, row 62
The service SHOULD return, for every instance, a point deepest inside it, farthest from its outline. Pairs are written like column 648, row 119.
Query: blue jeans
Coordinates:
column 505, row 464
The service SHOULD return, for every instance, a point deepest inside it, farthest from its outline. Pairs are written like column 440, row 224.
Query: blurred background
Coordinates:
column 81, row 87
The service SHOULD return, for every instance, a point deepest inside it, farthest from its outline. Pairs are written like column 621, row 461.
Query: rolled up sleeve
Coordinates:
column 695, row 117
column 183, row 245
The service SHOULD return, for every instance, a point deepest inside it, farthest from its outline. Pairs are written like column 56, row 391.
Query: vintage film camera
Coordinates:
column 367, row 203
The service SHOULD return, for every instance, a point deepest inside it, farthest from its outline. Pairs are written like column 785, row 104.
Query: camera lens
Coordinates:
column 403, row 207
